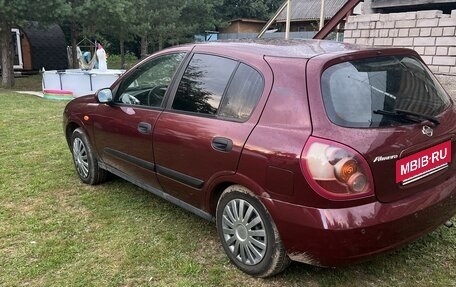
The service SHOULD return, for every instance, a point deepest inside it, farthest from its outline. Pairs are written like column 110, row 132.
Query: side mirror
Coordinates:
column 104, row 96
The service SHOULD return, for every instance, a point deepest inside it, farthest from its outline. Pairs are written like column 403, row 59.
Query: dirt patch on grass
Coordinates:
column 26, row 206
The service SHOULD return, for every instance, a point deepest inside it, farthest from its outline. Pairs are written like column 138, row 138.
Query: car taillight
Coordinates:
column 336, row 171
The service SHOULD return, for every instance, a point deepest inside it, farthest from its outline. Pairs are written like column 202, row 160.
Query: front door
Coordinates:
column 124, row 129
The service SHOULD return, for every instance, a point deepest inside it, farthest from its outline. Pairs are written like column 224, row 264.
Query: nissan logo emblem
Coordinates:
column 427, row 131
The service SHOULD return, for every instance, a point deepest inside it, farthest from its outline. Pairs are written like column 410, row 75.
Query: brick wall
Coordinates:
column 431, row 33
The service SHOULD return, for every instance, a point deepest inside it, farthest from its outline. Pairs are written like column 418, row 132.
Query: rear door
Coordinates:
column 392, row 110
column 201, row 134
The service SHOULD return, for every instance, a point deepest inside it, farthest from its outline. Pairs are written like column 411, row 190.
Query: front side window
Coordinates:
column 371, row 92
column 148, row 83
column 203, row 84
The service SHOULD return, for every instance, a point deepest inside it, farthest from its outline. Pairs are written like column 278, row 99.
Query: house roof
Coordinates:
column 307, row 10
column 247, row 20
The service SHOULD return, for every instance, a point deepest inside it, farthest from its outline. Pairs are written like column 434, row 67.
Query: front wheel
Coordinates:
column 84, row 159
column 248, row 234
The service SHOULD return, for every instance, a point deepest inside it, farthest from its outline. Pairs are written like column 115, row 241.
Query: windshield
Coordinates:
column 354, row 91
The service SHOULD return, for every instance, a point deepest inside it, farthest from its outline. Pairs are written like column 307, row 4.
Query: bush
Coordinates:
column 114, row 61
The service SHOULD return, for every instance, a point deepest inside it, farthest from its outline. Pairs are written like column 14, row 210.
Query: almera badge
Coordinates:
column 423, row 163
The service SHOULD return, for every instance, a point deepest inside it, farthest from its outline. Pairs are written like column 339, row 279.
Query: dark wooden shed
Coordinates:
column 40, row 47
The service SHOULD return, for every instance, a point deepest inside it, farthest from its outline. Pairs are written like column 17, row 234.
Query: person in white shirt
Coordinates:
column 101, row 55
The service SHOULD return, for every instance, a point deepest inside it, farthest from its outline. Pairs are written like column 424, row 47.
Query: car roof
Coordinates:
column 299, row 48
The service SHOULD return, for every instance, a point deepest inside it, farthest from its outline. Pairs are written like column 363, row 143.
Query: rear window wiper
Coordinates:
column 409, row 116
column 432, row 119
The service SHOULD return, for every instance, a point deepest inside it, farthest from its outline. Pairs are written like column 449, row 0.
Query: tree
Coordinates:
column 78, row 20
column 96, row 18
column 156, row 22
column 192, row 20
column 16, row 13
column 161, row 24
column 117, row 19
column 256, row 9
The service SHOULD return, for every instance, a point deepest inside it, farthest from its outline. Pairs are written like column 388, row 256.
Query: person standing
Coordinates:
column 101, row 55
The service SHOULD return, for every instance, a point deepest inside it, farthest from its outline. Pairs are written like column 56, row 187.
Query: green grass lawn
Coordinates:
column 56, row 231
column 28, row 83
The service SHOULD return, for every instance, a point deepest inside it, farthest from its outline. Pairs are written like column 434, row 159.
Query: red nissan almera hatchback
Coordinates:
column 315, row 151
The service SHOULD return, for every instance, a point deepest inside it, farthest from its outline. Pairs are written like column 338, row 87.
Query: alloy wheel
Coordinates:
column 244, row 232
column 80, row 157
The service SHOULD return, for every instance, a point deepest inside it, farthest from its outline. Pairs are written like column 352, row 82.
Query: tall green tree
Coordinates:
column 199, row 16
column 256, row 9
column 156, row 21
column 80, row 19
column 117, row 18
column 160, row 24
column 95, row 19
column 16, row 13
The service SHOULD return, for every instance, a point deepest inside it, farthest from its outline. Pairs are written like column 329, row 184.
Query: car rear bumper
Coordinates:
column 334, row 237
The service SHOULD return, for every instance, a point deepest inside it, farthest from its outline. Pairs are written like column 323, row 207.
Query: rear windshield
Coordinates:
column 358, row 93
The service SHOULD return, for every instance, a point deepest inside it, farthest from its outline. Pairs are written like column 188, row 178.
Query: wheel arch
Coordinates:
column 215, row 194
column 69, row 129
column 217, row 186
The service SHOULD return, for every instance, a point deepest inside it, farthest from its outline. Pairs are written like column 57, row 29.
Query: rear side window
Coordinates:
column 203, row 84
column 243, row 94
column 359, row 93
column 221, row 87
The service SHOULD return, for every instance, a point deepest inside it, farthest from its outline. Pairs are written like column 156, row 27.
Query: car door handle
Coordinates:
column 222, row 144
column 144, row 128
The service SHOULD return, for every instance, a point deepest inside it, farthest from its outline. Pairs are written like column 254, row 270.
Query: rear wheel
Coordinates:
column 84, row 159
column 248, row 234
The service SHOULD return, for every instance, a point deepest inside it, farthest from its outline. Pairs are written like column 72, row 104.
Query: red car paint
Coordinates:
column 267, row 151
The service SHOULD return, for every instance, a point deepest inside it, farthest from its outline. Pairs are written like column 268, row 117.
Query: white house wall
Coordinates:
column 431, row 33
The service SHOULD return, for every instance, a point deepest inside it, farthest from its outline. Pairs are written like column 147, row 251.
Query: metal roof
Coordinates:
column 307, row 10
column 247, row 20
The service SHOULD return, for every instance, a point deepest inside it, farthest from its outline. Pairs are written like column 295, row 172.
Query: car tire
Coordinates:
column 248, row 234
column 85, row 161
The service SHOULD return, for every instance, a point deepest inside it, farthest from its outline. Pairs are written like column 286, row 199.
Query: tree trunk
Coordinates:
column 144, row 47
column 7, row 54
column 160, row 42
column 74, row 42
column 122, row 53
